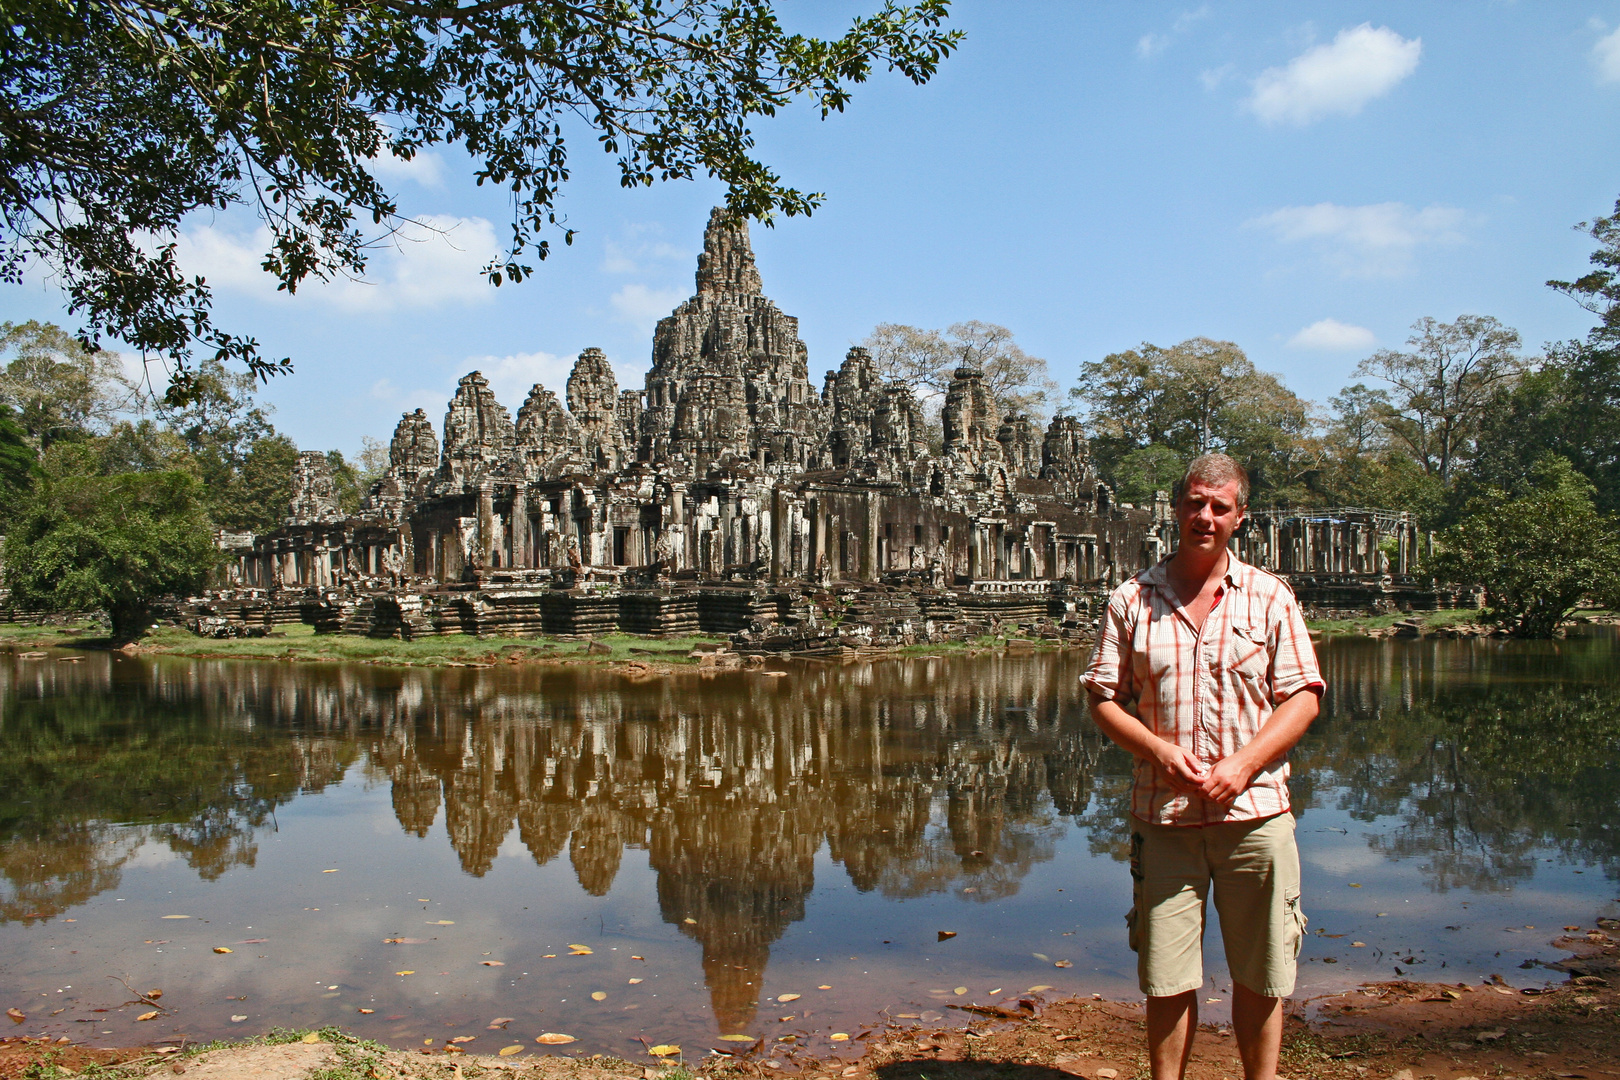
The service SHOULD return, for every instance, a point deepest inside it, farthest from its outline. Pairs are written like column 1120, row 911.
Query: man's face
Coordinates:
column 1208, row 515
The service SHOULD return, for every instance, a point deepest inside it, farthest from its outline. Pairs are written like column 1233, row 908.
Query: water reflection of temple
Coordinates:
column 915, row 783
column 913, row 778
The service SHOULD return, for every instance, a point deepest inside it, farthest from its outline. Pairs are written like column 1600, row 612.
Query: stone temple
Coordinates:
column 728, row 494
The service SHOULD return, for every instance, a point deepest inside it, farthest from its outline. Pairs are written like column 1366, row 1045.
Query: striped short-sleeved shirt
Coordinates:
column 1209, row 690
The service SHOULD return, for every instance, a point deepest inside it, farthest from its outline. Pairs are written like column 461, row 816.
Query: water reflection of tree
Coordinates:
column 1488, row 755
column 95, row 764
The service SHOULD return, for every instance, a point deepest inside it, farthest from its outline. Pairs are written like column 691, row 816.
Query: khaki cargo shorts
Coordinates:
column 1255, row 869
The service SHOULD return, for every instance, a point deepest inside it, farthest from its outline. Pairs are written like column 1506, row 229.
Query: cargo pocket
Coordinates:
column 1297, row 921
column 1133, row 933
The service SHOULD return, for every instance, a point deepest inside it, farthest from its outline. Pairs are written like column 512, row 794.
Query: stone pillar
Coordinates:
column 870, row 570
column 518, row 536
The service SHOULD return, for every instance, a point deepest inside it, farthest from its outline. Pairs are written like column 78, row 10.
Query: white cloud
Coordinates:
column 1212, row 78
column 640, row 249
column 428, row 262
column 426, row 168
column 512, row 376
column 642, row 306
column 1606, row 55
column 1150, row 44
column 1334, row 336
column 1361, row 63
column 1365, row 241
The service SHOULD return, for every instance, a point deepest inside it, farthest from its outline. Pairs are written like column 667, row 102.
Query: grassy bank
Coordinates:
column 1431, row 620
column 298, row 642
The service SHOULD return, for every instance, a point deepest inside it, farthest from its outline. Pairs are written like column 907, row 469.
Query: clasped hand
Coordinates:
column 1222, row 783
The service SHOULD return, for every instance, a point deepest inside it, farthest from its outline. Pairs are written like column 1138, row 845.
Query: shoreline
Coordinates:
column 1399, row 1029
column 632, row 654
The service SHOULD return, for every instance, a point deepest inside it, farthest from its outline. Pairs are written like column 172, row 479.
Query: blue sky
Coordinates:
column 1303, row 179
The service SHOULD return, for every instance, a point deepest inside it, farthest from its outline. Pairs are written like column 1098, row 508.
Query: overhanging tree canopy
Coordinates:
column 120, row 117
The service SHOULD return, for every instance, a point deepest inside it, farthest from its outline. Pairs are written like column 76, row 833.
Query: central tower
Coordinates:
column 730, row 379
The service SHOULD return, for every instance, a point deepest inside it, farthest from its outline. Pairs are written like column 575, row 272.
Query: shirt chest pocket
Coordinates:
column 1246, row 654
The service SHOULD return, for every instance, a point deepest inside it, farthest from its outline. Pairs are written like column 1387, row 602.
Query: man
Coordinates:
column 1204, row 671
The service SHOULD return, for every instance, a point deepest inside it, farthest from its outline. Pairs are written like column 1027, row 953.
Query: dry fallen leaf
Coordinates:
column 1063, row 963
column 663, row 1050
column 311, row 1038
column 147, row 1015
column 177, row 916
column 499, row 1022
column 442, row 922
column 737, row 1038
column 508, row 1051
column 407, row 972
column 367, row 1012
column 945, row 935
column 824, row 987
column 638, row 958
column 840, row 1036
column 493, row 963
column 554, row 1038
column 16, row 1014
column 959, row 991
column 598, row 995
column 328, row 871
column 237, row 1018
column 222, row 949
column 155, row 994
column 784, row 998
column 1358, row 944
column 580, row 950
column 463, row 1038
column 689, row 921
column 633, row 982
column 1039, row 989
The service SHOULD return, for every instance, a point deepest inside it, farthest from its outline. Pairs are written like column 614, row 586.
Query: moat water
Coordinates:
column 414, row 854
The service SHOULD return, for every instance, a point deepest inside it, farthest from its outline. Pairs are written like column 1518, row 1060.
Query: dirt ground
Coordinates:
column 1397, row 1030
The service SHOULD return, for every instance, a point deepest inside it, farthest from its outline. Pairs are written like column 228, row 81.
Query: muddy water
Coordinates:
column 413, row 854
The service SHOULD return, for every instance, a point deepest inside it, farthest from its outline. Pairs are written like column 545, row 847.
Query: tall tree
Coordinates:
column 119, row 118
column 111, row 543
column 1441, row 389
column 1598, row 290
column 1195, row 397
column 56, row 387
column 1538, row 551
column 926, row 361
column 19, row 467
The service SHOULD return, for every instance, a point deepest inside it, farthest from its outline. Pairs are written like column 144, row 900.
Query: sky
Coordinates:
column 1304, row 179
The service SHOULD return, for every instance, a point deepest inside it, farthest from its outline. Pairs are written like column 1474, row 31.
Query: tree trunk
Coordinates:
column 130, row 621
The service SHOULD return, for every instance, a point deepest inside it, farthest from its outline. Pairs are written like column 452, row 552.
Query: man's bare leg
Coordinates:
column 1258, row 1024
column 1171, row 1022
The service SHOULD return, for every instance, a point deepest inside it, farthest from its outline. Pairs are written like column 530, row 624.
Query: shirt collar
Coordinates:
column 1238, row 572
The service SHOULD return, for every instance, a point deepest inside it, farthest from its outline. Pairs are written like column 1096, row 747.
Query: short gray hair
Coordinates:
column 1217, row 470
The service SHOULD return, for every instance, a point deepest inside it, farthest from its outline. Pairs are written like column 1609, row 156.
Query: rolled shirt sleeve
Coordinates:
column 1110, row 674
column 1293, row 658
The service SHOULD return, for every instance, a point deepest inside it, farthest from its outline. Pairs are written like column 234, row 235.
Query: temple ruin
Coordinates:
column 729, row 495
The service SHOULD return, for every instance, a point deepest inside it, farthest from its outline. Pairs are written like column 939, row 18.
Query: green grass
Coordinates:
column 1430, row 619
column 298, row 642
